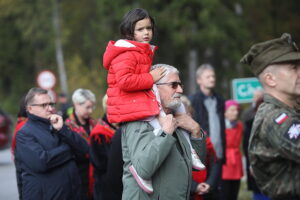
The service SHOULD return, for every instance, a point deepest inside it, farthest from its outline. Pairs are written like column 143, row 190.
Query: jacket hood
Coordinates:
column 114, row 49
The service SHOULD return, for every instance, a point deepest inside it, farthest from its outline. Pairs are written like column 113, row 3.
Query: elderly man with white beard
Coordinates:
column 162, row 154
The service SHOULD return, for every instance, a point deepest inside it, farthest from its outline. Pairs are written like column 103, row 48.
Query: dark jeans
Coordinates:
column 230, row 189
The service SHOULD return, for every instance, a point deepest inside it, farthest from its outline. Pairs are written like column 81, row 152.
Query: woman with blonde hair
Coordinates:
column 81, row 122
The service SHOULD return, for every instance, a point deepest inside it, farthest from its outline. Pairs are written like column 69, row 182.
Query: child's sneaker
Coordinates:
column 146, row 185
column 196, row 162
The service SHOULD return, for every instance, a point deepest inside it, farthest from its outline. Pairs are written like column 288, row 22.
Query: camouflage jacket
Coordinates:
column 274, row 149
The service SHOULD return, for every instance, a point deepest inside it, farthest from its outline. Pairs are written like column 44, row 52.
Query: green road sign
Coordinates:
column 244, row 88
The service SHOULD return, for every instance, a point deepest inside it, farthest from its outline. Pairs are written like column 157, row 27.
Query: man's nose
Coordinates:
column 51, row 108
column 179, row 89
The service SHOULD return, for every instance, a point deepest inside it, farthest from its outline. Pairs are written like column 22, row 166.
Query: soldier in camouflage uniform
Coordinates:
column 274, row 147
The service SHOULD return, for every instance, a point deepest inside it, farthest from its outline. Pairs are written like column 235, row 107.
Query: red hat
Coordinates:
column 231, row 102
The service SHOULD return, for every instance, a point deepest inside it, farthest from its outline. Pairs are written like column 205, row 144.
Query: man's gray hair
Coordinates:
column 32, row 93
column 80, row 96
column 169, row 69
column 202, row 68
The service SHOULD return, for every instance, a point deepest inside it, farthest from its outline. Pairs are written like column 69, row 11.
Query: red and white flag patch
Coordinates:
column 282, row 117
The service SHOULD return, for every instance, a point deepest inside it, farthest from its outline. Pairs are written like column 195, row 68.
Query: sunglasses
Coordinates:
column 45, row 105
column 174, row 84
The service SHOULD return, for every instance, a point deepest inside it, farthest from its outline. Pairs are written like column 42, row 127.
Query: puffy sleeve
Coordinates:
column 127, row 78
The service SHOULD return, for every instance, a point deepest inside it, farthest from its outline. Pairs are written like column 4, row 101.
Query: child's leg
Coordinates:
column 146, row 185
column 196, row 162
column 154, row 121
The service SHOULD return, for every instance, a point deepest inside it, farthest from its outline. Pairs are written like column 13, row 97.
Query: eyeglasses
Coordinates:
column 174, row 84
column 45, row 105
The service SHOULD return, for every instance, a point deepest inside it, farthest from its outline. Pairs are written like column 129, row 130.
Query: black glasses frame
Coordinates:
column 173, row 84
column 44, row 105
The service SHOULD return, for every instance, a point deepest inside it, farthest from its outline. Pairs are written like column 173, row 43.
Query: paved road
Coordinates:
column 8, row 185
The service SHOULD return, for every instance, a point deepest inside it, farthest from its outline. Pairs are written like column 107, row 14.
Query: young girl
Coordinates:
column 130, row 82
column 232, row 171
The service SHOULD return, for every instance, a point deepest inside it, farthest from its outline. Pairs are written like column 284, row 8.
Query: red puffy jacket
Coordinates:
column 233, row 168
column 129, row 91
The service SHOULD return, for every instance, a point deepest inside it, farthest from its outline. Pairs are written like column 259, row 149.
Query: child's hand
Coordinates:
column 168, row 124
column 202, row 188
column 157, row 74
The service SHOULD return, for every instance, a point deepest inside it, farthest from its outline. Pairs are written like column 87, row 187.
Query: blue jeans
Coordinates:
column 260, row 196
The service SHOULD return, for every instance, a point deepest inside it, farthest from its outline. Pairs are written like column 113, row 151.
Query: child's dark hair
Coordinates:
column 130, row 19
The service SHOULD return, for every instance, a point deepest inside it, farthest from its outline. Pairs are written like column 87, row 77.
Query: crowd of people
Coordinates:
column 155, row 143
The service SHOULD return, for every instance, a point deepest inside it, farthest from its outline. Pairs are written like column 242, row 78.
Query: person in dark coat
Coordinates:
column 106, row 157
column 81, row 122
column 113, row 185
column 209, row 113
column 22, row 119
column 45, row 149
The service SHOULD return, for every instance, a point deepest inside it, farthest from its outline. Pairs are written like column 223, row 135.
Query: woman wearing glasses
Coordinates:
column 80, row 121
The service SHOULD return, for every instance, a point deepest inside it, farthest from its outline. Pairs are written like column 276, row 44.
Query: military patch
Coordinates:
column 293, row 132
column 281, row 118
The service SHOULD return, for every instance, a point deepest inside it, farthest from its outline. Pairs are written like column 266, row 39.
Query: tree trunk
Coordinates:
column 192, row 63
column 59, row 50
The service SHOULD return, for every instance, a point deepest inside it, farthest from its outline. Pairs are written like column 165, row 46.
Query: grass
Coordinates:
column 244, row 193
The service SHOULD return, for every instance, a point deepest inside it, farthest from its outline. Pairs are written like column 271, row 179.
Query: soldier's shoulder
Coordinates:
column 276, row 121
column 270, row 113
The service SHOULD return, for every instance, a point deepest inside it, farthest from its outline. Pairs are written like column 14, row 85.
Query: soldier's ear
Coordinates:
column 269, row 79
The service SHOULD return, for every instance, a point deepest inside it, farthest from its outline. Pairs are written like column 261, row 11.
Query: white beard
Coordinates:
column 173, row 105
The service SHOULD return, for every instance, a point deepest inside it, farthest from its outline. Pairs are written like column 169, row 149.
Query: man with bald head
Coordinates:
column 274, row 147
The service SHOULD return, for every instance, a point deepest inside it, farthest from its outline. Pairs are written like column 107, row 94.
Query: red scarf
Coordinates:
column 20, row 123
column 200, row 176
column 102, row 128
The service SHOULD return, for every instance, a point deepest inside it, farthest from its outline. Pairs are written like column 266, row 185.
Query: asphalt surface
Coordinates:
column 8, row 184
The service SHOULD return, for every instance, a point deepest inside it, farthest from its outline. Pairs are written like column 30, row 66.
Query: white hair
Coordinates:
column 80, row 96
column 169, row 69
column 202, row 68
column 104, row 103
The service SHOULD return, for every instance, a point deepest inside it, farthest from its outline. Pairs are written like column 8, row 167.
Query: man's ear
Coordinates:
column 270, row 79
column 198, row 80
column 28, row 108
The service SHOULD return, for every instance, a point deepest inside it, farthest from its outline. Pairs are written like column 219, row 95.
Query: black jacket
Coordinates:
column 113, row 185
column 46, row 160
column 248, row 118
column 108, row 167
column 201, row 116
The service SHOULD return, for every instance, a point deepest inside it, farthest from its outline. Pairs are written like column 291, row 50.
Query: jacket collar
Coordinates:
column 270, row 99
column 213, row 94
column 38, row 119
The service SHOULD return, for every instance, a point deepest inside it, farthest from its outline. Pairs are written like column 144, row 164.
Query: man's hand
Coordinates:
column 202, row 188
column 56, row 121
column 188, row 123
column 168, row 124
column 157, row 74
